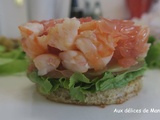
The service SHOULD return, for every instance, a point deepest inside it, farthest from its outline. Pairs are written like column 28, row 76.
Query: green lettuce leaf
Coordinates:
column 153, row 56
column 5, row 60
column 109, row 81
column 13, row 62
column 78, row 78
column 78, row 84
column 2, row 48
column 77, row 93
column 10, row 66
column 44, row 84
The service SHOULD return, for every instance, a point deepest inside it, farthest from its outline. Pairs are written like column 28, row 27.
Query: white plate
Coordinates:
column 20, row 101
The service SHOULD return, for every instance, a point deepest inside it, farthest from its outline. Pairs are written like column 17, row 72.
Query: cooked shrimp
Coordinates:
column 88, row 48
column 31, row 43
column 88, row 26
column 94, row 50
column 82, row 44
column 31, row 28
column 49, row 23
column 34, row 46
column 46, row 63
column 62, row 36
column 74, row 61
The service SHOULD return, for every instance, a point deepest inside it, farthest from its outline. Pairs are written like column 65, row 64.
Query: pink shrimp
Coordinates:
column 62, row 36
column 46, row 63
column 74, row 61
column 97, row 53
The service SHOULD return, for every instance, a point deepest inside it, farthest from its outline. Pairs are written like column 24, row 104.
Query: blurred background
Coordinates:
column 16, row 12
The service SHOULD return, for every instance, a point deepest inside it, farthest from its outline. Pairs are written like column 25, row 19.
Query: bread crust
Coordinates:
column 101, row 98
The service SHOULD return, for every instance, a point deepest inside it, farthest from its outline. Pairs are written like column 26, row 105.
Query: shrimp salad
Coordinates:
column 69, row 46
